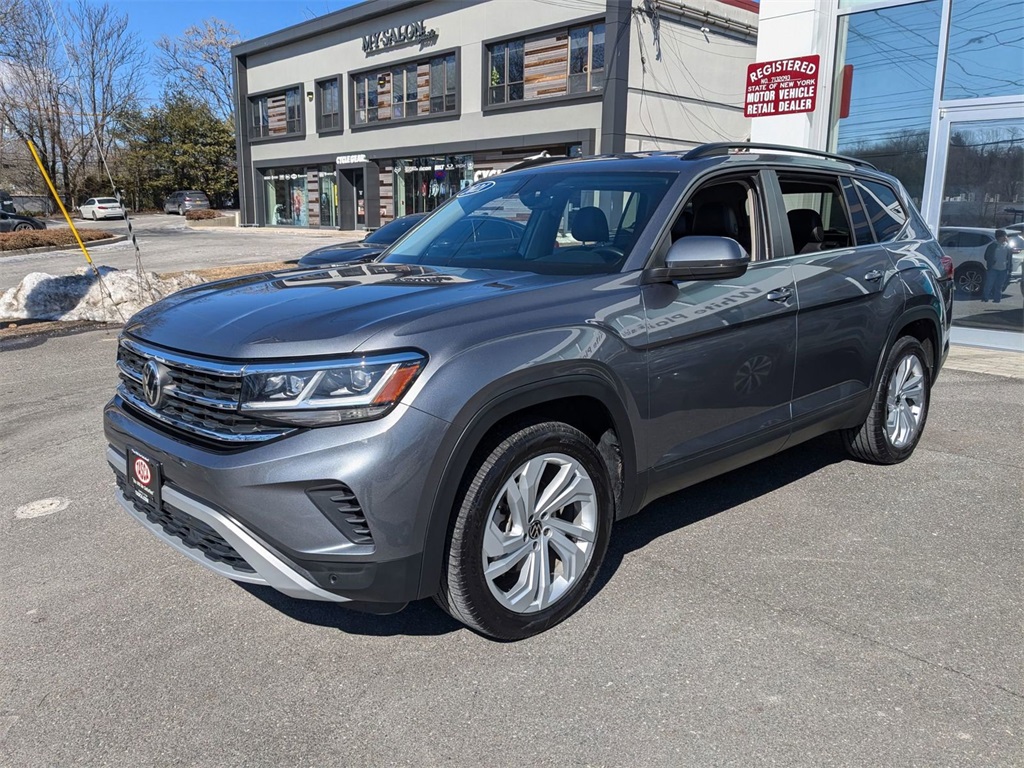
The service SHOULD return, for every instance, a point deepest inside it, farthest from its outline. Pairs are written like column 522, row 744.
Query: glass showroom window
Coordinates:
column 586, row 58
column 984, row 57
column 328, row 105
column 889, row 57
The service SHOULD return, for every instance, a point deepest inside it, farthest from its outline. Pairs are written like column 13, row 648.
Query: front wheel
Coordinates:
column 530, row 532
column 22, row 227
column 898, row 413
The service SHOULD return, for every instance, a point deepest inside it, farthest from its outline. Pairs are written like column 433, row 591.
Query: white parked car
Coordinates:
column 101, row 208
column 966, row 247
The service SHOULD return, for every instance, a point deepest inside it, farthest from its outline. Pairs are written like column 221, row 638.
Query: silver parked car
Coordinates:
column 186, row 200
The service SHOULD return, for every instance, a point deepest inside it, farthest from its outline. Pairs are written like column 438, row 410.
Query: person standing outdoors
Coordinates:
column 997, row 265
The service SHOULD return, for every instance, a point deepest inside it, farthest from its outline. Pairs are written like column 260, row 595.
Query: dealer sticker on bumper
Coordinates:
column 144, row 478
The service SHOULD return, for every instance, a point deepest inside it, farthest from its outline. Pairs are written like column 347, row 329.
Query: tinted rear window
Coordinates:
column 883, row 208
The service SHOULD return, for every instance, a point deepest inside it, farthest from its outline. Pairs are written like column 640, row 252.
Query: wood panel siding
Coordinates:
column 546, row 65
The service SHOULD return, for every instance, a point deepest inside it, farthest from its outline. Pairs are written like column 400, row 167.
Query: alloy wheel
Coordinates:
column 540, row 533
column 905, row 406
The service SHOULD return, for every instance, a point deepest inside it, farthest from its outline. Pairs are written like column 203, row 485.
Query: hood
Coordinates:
column 341, row 253
column 306, row 313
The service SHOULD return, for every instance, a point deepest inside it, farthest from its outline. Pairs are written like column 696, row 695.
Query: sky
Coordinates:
column 152, row 19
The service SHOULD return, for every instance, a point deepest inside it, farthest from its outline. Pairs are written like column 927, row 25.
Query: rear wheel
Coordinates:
column 181, row 211
column 94, row 215
column 898, row 413
column 530, row 533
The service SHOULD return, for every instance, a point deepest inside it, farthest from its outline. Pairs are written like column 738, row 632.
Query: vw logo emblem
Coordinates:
column 153, row 381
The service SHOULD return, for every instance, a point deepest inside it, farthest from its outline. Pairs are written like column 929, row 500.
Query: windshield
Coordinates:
column 571, row 223
column 390, row 232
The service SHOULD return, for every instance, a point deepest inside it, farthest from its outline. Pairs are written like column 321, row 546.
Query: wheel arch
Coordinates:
column 586, row 401
column 921, row 322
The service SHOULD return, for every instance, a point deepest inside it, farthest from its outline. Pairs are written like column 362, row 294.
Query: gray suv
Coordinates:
column 465, row 420
column 185, row 200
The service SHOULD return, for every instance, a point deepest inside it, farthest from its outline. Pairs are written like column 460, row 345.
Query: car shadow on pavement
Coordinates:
column 699, row 502
column 664, row 516
column 419, row 618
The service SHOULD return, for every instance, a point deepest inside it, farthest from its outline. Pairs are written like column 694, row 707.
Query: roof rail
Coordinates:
column 722, row 148
column 530, row 162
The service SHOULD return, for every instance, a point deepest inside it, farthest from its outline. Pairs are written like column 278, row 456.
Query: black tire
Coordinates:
column 23, row 227
column 465, row 593
column 871, row 441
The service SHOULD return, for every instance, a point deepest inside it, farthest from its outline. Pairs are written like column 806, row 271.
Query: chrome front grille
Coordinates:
column 201, row 397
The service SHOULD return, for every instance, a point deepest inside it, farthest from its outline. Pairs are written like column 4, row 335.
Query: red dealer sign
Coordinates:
column 782, row 87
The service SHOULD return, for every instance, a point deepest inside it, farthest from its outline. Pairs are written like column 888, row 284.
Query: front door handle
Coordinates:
column 873, row 276
column 780, row 295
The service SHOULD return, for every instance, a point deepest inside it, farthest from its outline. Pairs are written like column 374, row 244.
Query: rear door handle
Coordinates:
column 873, row 276
column 780, row 295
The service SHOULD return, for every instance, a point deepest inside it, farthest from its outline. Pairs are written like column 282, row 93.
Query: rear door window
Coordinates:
column 816, row 212
column 883, row 208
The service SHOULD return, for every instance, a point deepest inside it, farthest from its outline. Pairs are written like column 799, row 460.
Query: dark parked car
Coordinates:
column 466, row 421
column 373, row 245
column 15, row 222
column 185, row 200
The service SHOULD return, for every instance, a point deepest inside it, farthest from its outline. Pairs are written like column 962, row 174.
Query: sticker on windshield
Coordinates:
column 480, row 186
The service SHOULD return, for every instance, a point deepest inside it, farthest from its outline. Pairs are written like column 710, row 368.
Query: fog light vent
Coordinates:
column 339, row 505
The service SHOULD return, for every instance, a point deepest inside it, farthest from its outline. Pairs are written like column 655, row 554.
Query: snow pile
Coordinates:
column 81, row 296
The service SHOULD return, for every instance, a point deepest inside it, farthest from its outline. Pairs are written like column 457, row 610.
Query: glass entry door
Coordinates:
column 978, row 189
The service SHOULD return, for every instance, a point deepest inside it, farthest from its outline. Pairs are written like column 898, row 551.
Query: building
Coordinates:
column 934, row 93
column 390, row 107
column 931, row 91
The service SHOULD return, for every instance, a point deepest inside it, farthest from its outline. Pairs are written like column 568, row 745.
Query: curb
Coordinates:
column 54, row 248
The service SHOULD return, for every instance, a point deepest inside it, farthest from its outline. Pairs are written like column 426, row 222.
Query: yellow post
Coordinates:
column 32, row 149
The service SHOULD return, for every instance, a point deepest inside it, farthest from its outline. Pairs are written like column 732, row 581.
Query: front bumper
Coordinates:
column 267, row 567
column 252, row 515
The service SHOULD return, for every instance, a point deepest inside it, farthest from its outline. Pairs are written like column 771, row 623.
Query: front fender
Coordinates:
column 519, row 390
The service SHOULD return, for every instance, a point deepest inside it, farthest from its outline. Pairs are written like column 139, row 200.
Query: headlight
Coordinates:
column 316, row 394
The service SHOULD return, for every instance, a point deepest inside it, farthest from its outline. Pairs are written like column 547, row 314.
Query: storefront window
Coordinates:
column 889, row 59
column 565, row 61
column 287, row 198
column 983, row 192
column 276, row 114
column 985, row 57
column 423, row 183
column 406, row 91
column 328, row 197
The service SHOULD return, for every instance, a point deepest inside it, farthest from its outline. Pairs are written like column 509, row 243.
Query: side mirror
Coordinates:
column 702, row 258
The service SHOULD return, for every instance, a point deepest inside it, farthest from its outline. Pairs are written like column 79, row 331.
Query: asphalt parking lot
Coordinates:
column 807, row 610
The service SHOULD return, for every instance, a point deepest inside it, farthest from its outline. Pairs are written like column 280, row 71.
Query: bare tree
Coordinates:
column 199, row 64
column 109, row 61
column 62, row 87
